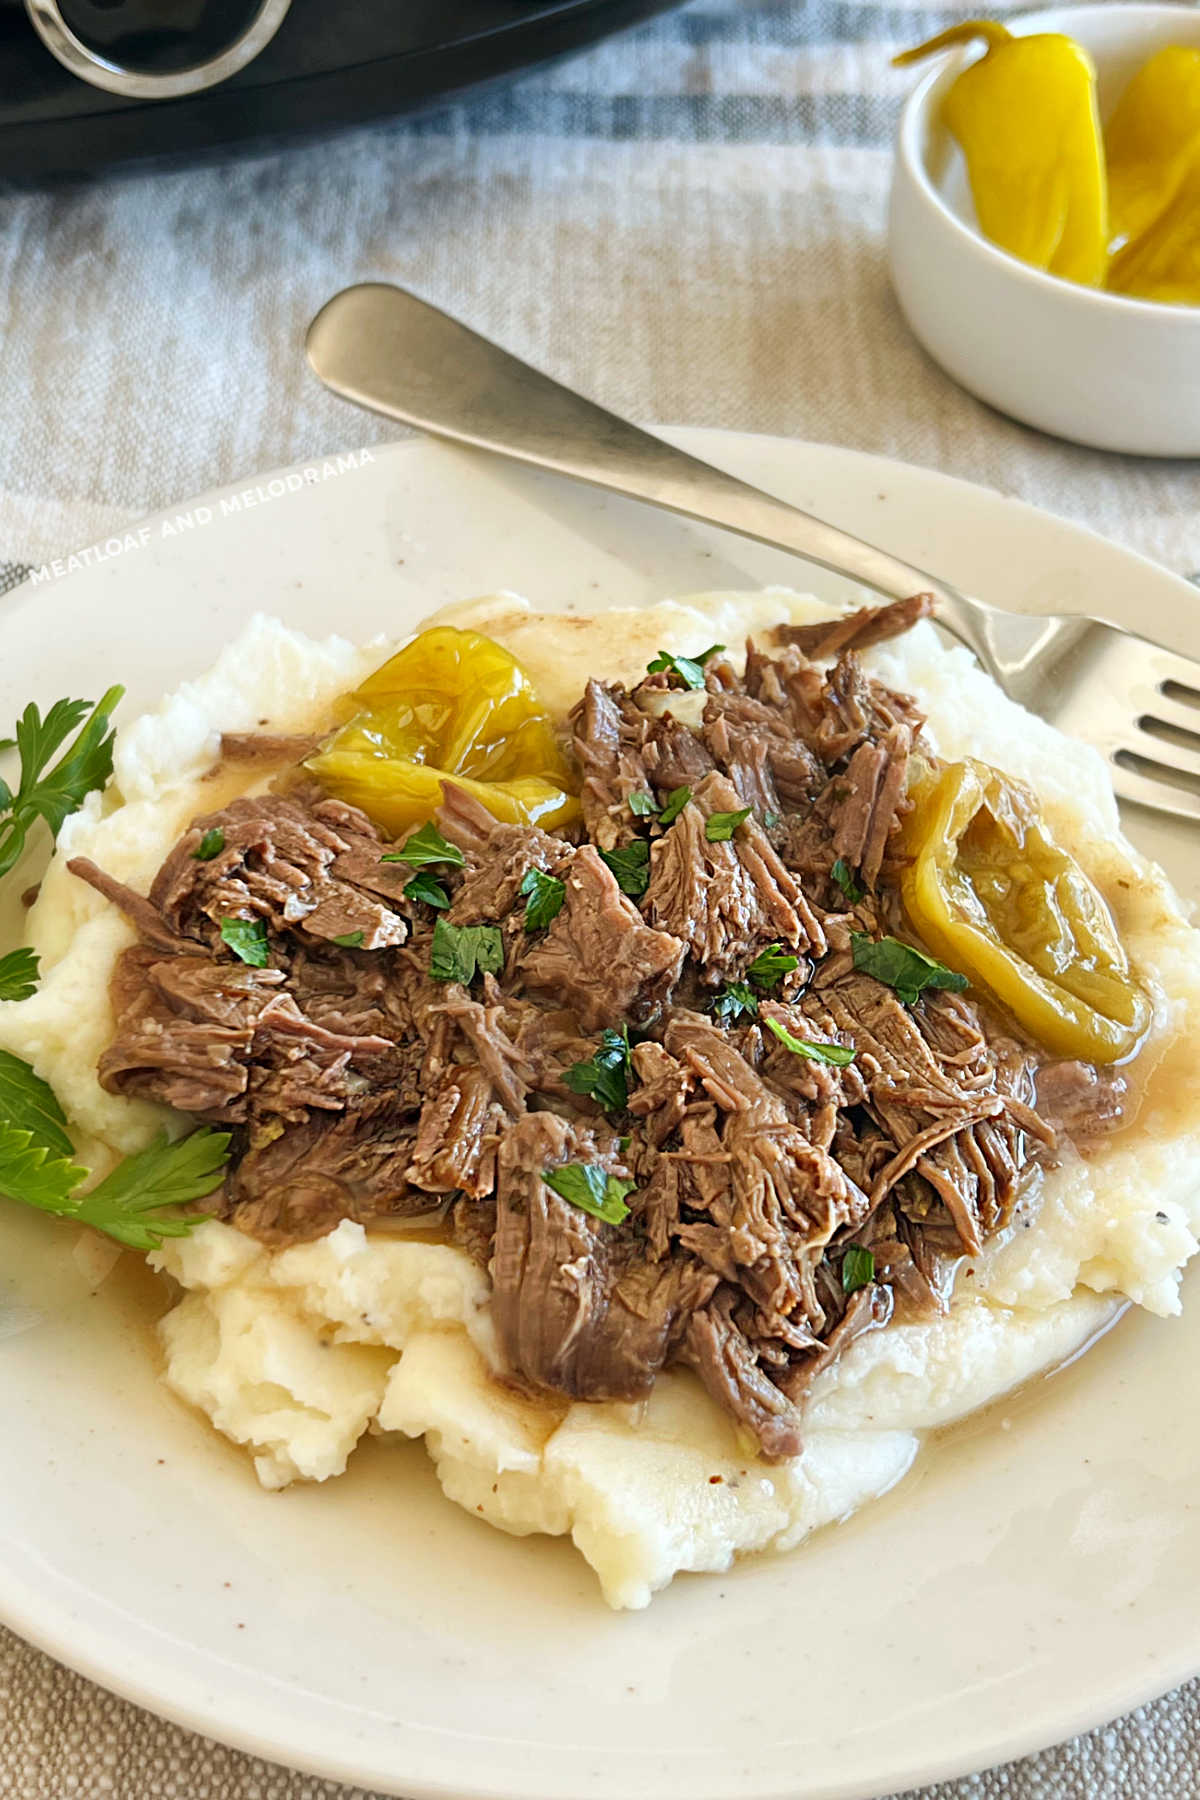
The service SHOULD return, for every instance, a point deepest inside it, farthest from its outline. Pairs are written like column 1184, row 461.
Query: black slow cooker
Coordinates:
column 89, row 82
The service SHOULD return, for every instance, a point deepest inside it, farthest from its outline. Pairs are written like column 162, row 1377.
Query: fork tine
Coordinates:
column 1166, row 754
column 1174, row 712
column 1162, row 796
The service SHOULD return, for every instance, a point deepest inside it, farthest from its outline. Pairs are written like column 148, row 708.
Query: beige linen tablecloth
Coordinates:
column 687, row 222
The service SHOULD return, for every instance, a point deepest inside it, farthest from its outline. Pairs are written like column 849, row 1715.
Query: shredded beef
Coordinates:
column 752, row 1156
column 858, row 630
column 599, row 957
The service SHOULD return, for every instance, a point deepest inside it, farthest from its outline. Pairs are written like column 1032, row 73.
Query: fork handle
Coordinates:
column 385, row 350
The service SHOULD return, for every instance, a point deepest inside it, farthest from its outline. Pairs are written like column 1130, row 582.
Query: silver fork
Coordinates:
column 1138, row 703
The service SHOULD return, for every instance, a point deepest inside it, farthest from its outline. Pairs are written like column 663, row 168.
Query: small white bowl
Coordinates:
column 1099, row 368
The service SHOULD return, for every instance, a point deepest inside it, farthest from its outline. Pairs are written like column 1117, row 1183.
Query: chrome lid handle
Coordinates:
column 143, row 84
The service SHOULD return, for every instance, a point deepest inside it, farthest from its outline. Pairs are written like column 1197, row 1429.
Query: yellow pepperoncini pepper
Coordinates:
column 1163, row 263
column 1025, row 116
column 996, row 897
column 452, row 705
column 1151, row 140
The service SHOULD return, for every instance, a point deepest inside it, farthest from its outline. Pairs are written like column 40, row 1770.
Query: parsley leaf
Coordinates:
column 858, row 1267
column 210, row 845
column 425, row 845
column 350, row 940
column 845, row 880
column 641, row 805
column 689, row 669
column 126, row 1204
column 589, row 1186
column 54, row 791
column 902, row 967
column 631, row 866
column 605, row 1077
column 770, row 966
column 428, row 888
column 837, row 1054
column 18, row 974
column 247, row 938
column 735, row 1001
column 461, row 951
column 719, row 827
column 28, row 1104
column 546, row 895
column 677, row 799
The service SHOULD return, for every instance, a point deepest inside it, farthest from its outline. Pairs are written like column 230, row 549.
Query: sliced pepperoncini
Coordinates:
column 450, row 706
column 995, row 896
column 1025, row 116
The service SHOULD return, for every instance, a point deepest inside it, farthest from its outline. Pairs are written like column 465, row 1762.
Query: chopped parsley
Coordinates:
column 425, row 845
column 734, row 1002
column 845, row 880
column 770, row 966
column 642, row 804
column 771, row 820
column 589, row 1186
column 631, row 866
column 676, row 800
column 428, row 888
column 605, row 1076
column 210, row 845
column 858, row 1268
column 350, row 940
column 719, row 827
column 247, row 938
column 462, row 951
column 546, row 894
column 18, row 974
column 837, row 1054
column 688, row 669
column 900, row 966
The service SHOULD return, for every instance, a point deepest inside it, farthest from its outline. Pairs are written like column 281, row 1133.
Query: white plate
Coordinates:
column 1035, row 1576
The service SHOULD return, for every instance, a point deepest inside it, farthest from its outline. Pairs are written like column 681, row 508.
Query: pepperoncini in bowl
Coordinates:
column 451, row 706
column 1112, row 208
column 996, row 897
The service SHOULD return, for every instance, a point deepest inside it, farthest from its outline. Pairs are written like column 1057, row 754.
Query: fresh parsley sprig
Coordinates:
column 770, row 966
column 428, row 888
column 423, row 846
column 719, row 827
column 631, row 866
column 858, row 1268
column 676, row 800
column 545, row 895
column 845, row 880
column 132, row 1204
column 54, row 790
column 592, row 1188
column 838, row 1055
column 606, row 1075
column 735, row 1002
column 247, row 938
column 688, row 669
column 459, row 952
column 902, row 967
column 18, row 974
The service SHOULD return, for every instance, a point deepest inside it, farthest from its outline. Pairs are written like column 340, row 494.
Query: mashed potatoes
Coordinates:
column 297, row 1353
